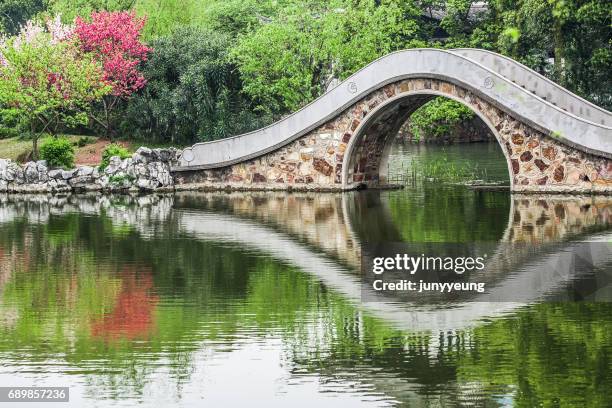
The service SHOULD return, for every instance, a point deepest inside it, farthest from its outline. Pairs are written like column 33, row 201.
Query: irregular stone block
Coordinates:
column 322, row 166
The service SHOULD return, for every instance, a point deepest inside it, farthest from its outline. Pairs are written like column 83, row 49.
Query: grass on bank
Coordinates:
column 87, row 149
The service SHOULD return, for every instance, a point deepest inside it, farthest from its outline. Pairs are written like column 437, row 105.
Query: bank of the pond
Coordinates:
column 479, row 166
column 146, row 170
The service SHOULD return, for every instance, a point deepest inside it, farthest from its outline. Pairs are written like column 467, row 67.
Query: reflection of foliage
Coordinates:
column 132, row 315
column 556, row 354
column 450, row 214
column 71, row 295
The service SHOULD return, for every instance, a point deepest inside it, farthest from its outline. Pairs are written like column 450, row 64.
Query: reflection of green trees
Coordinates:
column 430, row 213
column 555, row 354
column 448, row 214
column 70, row 272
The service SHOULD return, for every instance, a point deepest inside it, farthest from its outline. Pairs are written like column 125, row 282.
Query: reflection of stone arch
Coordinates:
column 322, row 246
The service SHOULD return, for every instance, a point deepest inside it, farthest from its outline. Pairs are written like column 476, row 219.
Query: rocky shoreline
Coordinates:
column 147, row 170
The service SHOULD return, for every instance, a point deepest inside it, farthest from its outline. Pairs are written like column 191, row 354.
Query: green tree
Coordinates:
column 438, row 117
column 46, row 83
column 193, row 91
column 14, row 13
column 575, row 33
column 69, row 9
column 290, row 60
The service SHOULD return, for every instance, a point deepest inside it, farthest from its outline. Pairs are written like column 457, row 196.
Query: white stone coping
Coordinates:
column 538, row 84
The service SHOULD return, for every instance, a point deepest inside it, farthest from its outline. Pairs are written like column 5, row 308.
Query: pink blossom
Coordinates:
column 59, row 31
column 30, row 33
column 114, row 39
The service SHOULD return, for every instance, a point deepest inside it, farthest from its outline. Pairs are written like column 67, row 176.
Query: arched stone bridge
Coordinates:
column 553, row 140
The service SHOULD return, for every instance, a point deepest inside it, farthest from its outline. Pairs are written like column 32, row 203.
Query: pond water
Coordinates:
column 249, row 299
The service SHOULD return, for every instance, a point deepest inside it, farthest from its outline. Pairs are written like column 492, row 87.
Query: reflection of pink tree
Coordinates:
column 133, row 313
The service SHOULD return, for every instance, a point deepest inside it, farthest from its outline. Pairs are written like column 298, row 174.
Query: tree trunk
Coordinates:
column 559, row 51
column 106, row 121
column 34, row 147
column 34, row 141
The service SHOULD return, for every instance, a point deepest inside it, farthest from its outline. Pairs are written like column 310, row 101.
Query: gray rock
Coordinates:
column 31, row 172
column 144, row 151
column 34, row 188
column 80, row 181
column 138, row 158
column 41, row 166
column 165, row 155
column 68, row 174
column 4, row 163
column 114, row 163
column 85, row 171
column 103, row 181
column 8, row 174
column 55, row 174
column 131, row 171
column 146, row 184
column 165, row 179
column 141, row 170
column 59, row 186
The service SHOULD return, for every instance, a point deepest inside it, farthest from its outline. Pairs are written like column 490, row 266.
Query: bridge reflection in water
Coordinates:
column 323, row 236
column 329, row 247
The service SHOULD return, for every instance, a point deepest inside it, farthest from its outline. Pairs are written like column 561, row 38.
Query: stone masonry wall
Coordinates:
column 317, row 160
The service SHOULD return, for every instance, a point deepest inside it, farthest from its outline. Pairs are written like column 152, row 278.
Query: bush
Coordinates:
column 438, row 117
column 58, row 152
column 111, row 150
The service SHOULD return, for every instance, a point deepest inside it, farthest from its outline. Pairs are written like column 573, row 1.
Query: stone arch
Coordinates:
column 386, row 119
column 536, row 162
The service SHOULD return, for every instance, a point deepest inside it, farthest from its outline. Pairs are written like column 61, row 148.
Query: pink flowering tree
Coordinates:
column 114, row 39
column 46, row 82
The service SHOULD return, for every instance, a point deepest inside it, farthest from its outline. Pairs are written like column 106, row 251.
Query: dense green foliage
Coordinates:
column 576, row 33
column 438, row 117
column 58, row 152
column 70, row 9
column 14, row 13
column 236, row 64
column 193, row 91
column 111, row 150
column 292, row 59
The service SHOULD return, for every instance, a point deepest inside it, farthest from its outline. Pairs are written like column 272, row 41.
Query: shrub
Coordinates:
column 58, row 152
column 111, row 150
column 438, row 117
